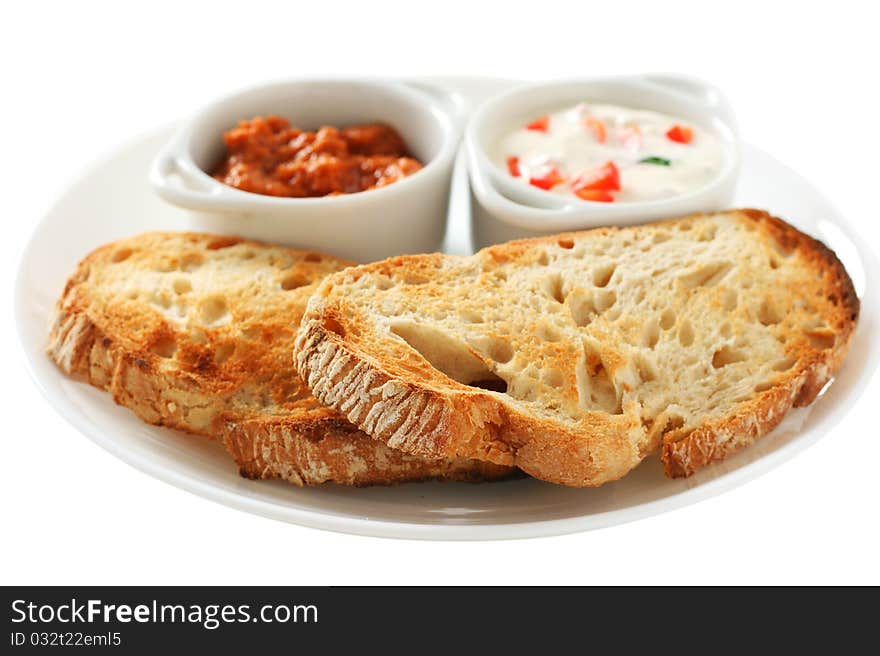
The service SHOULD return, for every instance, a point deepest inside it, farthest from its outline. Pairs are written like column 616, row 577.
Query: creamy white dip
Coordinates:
column 656, row 156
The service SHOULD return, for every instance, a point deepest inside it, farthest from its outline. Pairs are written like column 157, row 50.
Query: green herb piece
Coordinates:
column 659, row 161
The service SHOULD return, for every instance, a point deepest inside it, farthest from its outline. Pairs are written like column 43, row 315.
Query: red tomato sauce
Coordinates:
column 266, row 155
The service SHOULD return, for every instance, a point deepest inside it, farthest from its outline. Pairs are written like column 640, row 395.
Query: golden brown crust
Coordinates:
column 757, row 417
column 400, row 398
column 333, row 450
column 242, row 391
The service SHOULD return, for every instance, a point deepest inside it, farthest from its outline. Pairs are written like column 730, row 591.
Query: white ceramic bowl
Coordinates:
column 503, row 208
column 408, row 216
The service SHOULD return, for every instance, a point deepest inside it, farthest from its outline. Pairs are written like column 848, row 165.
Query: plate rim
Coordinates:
column 378, row 527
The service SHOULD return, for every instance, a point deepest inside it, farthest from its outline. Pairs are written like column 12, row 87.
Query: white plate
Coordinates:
column 113, row 200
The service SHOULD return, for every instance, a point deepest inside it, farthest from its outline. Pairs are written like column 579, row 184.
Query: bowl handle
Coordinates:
column 178, row 181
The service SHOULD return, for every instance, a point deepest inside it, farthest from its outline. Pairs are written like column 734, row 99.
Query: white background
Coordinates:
column 80, row 78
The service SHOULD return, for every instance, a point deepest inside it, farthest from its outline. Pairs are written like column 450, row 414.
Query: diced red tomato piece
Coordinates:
column 631, row 137
column 513, row 166
column 596, row 195
column 680, row 133
column 597, row 127
column 605, row 177
column 539, row 124
column 550, row 179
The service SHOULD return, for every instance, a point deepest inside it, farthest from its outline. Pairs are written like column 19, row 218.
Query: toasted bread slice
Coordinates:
column 575, row 356
column 196, row 332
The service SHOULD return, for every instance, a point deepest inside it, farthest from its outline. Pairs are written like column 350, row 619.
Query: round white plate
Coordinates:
column 113, row 200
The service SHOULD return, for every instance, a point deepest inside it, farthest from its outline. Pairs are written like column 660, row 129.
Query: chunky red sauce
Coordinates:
column 268, row 156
